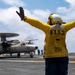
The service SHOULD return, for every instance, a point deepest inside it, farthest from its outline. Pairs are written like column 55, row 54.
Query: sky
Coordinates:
column 39, row 9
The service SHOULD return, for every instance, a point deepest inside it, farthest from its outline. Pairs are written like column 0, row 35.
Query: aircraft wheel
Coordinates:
column 31, row 55
column 11, row 54
column 18, row 55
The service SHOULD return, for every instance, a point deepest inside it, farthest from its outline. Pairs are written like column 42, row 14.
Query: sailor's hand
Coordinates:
column 21, row 13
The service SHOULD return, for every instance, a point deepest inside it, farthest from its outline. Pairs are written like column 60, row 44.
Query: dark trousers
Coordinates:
column 56, row 66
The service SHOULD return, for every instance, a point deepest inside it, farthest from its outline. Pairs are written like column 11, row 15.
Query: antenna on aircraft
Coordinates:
column 4, row 35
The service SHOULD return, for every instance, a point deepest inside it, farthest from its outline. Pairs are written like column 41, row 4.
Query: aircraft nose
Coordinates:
column 36, row 47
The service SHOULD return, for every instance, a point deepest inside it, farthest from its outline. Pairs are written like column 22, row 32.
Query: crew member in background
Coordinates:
column 55, row 51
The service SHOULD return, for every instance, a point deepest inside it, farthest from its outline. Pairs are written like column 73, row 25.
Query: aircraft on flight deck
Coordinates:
column 15, row 46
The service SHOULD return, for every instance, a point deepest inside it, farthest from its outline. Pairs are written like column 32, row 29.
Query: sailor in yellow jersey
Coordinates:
column 55, row 51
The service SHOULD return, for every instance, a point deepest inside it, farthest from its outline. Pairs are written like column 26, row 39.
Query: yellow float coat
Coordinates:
column 54, row 45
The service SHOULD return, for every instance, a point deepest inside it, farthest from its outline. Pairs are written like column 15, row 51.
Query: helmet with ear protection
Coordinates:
column 55, row 19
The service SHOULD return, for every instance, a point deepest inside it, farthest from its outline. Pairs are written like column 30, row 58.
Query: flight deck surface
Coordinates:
column 27, row 66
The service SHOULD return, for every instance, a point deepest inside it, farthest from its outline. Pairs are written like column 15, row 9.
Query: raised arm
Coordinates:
column 69, row 25
column 33, row 22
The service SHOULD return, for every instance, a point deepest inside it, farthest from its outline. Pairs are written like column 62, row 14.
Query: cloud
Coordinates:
column 11, row 23
column 39, row 14
column 42, row 13
column 71, row 2
column 70, row 38
column 67, row 13
column 14, row 2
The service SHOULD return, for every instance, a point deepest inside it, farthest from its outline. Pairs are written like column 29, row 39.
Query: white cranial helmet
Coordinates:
column 55, row 19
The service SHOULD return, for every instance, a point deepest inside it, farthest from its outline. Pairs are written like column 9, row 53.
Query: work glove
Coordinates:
column 21, row 13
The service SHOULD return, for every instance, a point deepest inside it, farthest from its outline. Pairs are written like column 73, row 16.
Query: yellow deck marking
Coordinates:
column 73, row 62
